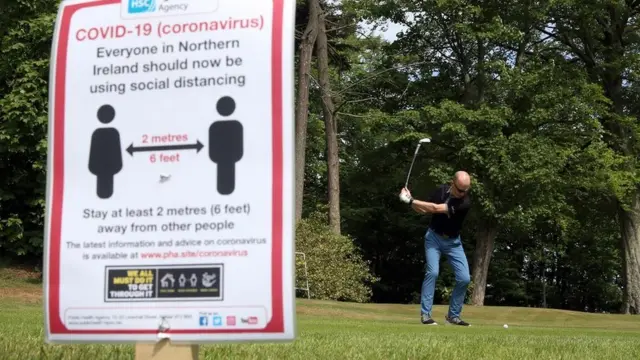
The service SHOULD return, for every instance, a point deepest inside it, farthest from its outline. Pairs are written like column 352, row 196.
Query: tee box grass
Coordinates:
column 333, row 330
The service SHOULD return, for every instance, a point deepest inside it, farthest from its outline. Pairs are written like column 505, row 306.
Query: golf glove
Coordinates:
column 405, row 196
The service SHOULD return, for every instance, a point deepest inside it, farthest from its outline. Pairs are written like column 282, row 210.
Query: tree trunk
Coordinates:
column 331, row 130
column 302, row 101
column 630, row 224
column 485, row 238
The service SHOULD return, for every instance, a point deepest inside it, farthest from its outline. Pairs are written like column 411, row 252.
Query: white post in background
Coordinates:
column 306, row 274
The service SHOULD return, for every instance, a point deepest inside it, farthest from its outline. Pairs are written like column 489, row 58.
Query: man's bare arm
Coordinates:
column 425, row 207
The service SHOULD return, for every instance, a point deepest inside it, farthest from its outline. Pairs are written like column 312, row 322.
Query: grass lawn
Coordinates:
column 330, row 330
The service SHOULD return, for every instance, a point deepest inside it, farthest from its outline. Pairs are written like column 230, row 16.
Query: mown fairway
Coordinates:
column 329, row 330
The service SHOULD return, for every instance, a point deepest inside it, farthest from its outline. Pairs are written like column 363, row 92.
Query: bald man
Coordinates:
column 449, row 205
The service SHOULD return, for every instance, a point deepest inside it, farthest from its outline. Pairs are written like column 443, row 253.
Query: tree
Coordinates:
column 25, row 42
column 504, row 121
column 331, row 125
column 601, row 37
column 305, row 52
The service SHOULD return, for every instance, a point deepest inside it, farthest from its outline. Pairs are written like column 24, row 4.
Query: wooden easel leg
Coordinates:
column 164, row 350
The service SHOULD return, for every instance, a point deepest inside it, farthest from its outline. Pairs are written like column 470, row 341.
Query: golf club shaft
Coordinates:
column 411, row 167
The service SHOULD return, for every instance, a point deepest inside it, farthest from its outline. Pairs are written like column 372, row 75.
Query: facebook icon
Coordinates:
column 204, row 321
column 141, row 6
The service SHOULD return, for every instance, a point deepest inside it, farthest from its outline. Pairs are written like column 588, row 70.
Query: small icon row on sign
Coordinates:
column 169, row 280
column 216, row 320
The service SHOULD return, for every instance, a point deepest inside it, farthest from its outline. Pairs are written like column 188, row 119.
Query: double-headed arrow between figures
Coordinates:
column 197, row 146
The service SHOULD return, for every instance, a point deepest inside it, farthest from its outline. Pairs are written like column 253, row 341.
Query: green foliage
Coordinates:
column 24, row 74
column 520, row 94
column 500, row 100
column 336, row 268
column 447, row 291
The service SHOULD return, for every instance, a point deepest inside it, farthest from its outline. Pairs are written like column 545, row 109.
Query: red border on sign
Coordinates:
column 56, row 326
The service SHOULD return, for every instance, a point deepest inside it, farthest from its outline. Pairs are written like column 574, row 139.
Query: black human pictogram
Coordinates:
column 226, row 145
column 105, row 156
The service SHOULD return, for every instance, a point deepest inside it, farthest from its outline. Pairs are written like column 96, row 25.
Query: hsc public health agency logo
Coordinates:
column 166, row 7
column 142, row 6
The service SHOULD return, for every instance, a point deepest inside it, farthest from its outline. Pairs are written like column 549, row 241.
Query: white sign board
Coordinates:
column 170, row 180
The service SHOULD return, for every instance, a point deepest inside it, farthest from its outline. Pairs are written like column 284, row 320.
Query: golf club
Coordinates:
column 422, row 141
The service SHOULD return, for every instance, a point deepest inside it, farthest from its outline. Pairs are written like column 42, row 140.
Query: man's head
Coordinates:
column 460, row 184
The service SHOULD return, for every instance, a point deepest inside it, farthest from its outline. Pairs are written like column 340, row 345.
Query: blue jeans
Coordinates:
column 452, row 248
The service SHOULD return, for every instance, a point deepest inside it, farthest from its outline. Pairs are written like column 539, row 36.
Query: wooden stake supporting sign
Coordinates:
column 164, row 350
column 170, row 174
